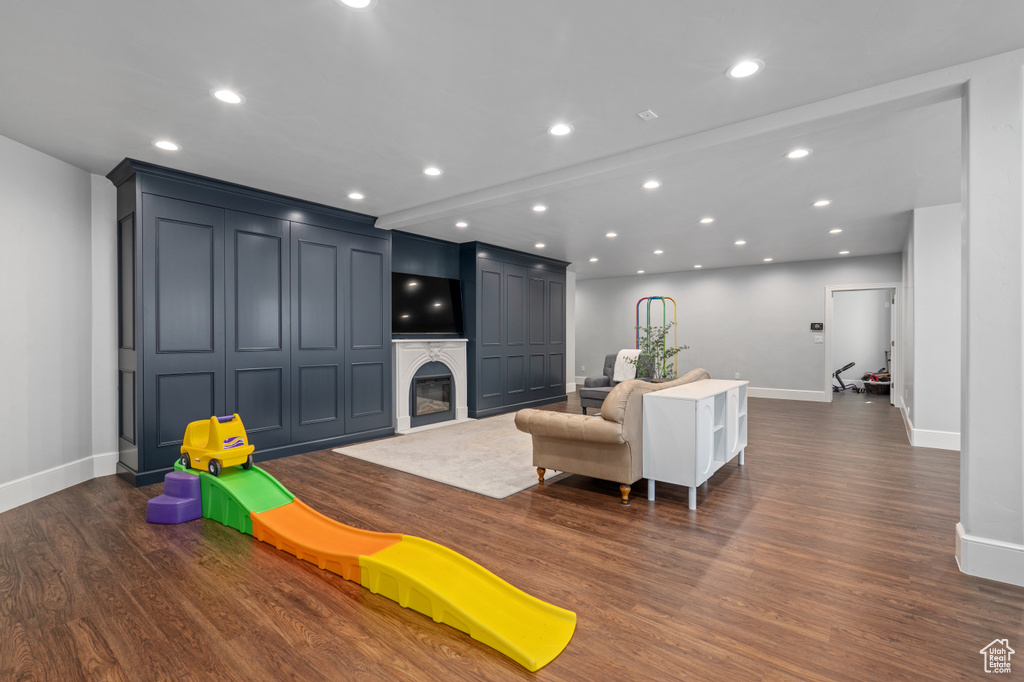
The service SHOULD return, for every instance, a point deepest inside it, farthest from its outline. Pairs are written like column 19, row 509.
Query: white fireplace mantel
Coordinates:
column 411, row 354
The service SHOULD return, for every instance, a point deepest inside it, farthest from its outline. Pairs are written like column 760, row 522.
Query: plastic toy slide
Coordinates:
column 416, row 573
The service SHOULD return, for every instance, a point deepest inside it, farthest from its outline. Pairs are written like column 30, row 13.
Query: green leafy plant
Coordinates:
column 655, row 359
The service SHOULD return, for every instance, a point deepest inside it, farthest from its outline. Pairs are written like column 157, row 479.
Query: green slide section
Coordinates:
column 231, row 497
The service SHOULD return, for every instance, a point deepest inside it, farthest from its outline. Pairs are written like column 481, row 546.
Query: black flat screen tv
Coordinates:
column 425, row 305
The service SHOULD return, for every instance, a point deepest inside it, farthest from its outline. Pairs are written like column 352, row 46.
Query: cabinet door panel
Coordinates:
column 515, row 305
column 538, row 378
column 368, row 334
column 556, row 312
column 185, row 288
column 491, row 382
column 183, row 323
column 516, row 377
column 556, row 372
column 258, row 315
column 317, row 357
column 490, row 303
column 536, row 314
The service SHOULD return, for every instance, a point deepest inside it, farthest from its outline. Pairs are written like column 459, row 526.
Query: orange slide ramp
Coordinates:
column 309, row 535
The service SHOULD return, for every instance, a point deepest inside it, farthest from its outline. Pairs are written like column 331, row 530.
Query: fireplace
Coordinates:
column 432, row 395
column 430, row 383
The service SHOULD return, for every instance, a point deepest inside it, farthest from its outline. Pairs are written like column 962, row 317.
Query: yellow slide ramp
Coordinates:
column 451, row 589
column 426, row 577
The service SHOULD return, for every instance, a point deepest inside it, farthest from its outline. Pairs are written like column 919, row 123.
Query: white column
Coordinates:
column 990, row 535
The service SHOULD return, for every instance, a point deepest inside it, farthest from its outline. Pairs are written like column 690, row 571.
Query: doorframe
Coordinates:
column 895, row 333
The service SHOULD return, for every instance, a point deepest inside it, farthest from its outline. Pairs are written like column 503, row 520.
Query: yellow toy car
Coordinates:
column 215, row 443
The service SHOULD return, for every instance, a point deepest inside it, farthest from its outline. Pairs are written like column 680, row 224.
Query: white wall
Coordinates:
column 861, row 327
column 104, row 317
column 49, row 405
column 931, row 392
column 990, row 535
column 570, row 331
column 906, row 368
column 752, row 320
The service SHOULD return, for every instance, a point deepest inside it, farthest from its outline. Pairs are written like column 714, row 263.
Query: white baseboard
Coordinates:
column 907, row 424
column 35, row 486
column 991, row 559
column 942, row 440
column 570, row 387
column 787, row 394
column 925, row 438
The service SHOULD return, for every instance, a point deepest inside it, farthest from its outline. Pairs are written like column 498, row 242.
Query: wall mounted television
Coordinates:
column 425, row 305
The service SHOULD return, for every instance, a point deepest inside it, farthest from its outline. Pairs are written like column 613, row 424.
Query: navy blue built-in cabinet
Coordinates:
column 233, row 300
column 514, row 308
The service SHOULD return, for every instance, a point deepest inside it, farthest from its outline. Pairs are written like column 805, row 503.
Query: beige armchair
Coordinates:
column 607, row 446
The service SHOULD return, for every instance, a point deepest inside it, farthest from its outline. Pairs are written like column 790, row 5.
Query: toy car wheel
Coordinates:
column 214, row 467
column 185, row 462
column 247, row 464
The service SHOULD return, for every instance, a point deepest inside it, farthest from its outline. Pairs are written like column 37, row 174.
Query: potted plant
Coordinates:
column 655, row 361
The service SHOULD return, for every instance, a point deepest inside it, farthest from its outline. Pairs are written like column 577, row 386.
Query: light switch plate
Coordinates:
column 818, row 338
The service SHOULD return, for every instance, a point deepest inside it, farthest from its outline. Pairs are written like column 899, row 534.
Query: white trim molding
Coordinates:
column 987, row 558
column 570, row 387
column 942, row 440
column 38, row 485
column 924, row 438
column 788, row 394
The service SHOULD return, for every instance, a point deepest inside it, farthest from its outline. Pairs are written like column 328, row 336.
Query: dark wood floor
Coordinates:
column 828, row 556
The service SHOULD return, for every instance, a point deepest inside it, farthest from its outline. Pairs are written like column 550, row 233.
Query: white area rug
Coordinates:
column 488, row 456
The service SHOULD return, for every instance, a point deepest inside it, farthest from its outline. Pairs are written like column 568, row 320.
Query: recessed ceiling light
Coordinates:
column 658, row 252
column 462, row 223
column 358, row 4
column 747, row 67
column 798, row 153
column 540, row 208
column 414, row 284
column 167, row 145
column 540, row 245
column 652, row 184
column 843, row 253
column 355, row 196
column 740, row 242
column 639, row 272
column 767, row 260
column 229, row 96
column 405, row 316
column 707, row 220
column 697, row 267
column 437, row 305
column 560, row 129
column 432, row 170
column 835, row 230
column 612, row 234
column 822, row 202
column 593, row 260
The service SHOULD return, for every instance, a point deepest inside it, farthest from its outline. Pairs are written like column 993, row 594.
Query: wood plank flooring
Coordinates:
column 829, row 556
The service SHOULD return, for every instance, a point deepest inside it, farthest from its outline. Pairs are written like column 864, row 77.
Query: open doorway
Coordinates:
column 862, row 336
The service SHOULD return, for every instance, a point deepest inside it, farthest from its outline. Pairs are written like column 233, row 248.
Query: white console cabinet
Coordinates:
column 691, row 431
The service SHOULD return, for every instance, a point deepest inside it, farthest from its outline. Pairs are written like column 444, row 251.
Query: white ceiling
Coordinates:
column 340, row 100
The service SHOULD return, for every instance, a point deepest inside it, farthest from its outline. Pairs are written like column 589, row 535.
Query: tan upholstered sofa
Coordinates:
column 607, row 446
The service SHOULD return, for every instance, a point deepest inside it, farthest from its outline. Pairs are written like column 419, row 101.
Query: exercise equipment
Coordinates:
column 664, row 321
column 843, row 386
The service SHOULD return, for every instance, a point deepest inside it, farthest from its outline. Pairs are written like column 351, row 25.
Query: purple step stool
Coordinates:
column 180, row 502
